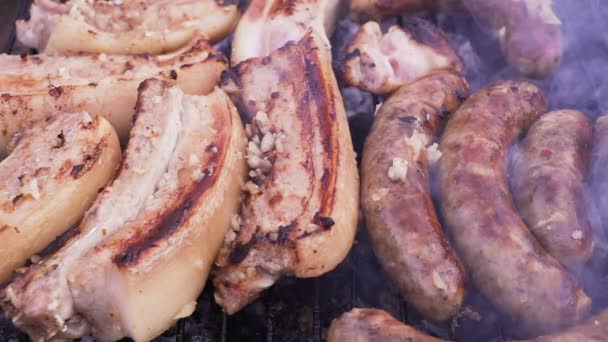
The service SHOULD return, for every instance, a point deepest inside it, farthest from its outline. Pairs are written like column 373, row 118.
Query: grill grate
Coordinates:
column 301, row 310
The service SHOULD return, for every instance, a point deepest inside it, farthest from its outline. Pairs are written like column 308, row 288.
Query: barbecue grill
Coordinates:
column 302, row 309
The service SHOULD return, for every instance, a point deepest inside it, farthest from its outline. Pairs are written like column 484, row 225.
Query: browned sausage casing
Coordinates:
column 547, row 184
column 599, row 167
column 400, row 216
column 506, row 262
column 372, row 325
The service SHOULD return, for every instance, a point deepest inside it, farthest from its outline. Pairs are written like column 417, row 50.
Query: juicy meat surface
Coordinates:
column 396, row 198
column 268, row 24
column 548, row 177
column 123, row 27
column 300, row 215
column 381, row 63
column 52, row 176
column 505, row 261
column 40, row 301
column 36, row 87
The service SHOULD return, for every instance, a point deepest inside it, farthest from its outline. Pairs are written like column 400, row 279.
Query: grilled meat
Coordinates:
column 168, row 227
column 123, row 27
column 506, row 262
column 268, row 24
column 36, row 87
column 52, row 176
column 157, row 265
column 547, row 183
column 599, row 163
column 379, row 9
column 381, row 63
column 371, row 325
column 528, row 30
column 301, row 212
column 396, row 197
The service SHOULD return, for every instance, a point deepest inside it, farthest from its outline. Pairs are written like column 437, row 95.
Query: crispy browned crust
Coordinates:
column 400, row 215
column 547, row 183
column 381, row 62
column 296, row 87
column 598, row 174
column 529, row 32
column 506, row 262
column 372, row 325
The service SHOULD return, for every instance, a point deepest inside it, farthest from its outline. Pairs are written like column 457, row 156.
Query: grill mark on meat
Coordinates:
column 88, row 161
column 169, row 223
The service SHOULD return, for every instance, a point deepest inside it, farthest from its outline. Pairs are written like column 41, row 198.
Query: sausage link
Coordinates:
column 396, row 199
column 547, row 184
column 372, row 325
column 599, row 164
column 506, row 262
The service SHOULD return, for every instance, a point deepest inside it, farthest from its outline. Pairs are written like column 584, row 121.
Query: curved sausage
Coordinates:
column 396, row 198
column 508, row 265
column 599, row 163
column 547, row 184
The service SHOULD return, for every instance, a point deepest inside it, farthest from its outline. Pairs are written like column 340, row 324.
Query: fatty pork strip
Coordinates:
column 300, row 215
column 52, row 176
column 381, row 63
column 36, row 87
column 268, row 24
column 157, row 265
column 123, row 27
column 40, row 301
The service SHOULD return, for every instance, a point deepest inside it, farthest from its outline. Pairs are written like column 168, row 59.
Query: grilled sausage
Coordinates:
column 372, row 325
column 547, row 184
column 396, row 200
column 599, row 162
column 379, row 9
column 508, row 265
column 528, row 30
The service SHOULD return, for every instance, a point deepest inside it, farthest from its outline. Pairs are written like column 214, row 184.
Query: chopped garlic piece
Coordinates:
column 577, row 234
column 438, row 281
column 433, row 154
column 398, row 171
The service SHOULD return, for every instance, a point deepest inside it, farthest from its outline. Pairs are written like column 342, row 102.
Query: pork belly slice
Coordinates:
column 123, row 27
column 52, row 176
column 150, row 273
column 40, row 301
column 382, row 62
column 36, row 87
column 300, row 215
column 268, row 24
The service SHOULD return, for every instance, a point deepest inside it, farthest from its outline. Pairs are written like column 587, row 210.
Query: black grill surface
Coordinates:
column 302, row 309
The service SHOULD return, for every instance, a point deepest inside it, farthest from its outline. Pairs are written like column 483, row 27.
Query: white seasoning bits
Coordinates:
column 577, row 234
column 194, row 160
column 230, row 236
column 267, row 143
column 262, row 122
column 398, row 171
column 433, row 154
column 235, row 222
column 438, row 282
